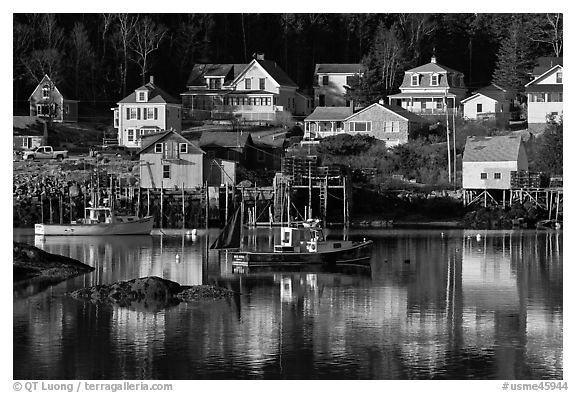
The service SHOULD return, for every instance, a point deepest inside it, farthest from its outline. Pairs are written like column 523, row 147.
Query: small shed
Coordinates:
column 489, row 102
column 488, row 161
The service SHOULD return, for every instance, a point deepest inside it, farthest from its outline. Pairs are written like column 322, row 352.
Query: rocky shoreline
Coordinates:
column 32, row 263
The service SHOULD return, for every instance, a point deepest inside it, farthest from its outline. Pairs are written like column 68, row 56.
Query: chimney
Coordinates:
column 381, row 101
column 152, row 79
column 259, row 56
column 433, row 59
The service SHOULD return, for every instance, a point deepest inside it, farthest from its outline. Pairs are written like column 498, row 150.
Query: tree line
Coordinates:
column 100, row 58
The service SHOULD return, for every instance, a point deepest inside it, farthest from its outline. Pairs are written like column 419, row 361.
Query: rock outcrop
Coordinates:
column 148, row 293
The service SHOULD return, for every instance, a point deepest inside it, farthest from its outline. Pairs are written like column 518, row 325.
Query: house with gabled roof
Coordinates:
column 169, row 160
column 147, row 110
column 389, row 123
column 257, row 91
column 48, row 102
column 229, row 145
column 430, row 88
column 545, row 95
column 28, row 132
column 331, row 82
column 488, row 161
column 488, row 102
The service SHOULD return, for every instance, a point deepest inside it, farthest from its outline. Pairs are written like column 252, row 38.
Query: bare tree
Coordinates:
column 126, row 26
column 147, row 38
column 550, row 31
column 415, row 28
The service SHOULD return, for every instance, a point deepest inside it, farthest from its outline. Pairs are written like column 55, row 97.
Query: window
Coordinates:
column 214, row 83
column 149, row 113
column 415, row 81
column 132, row 113
column 325, row 80
column 130, row 135
column 183, row 148
column 158, row 148
column 262, row 83
column 248, row 84
column 141, row 96
column 166, row 171
column 260, row 156
column 478, row 108
column 434, row 80
column 267, row 101
column 559, row 77
column 392, row 126
column 483, row 175
column 45, row 91
column 321, row 100
column 497, row 176
column 360, row 126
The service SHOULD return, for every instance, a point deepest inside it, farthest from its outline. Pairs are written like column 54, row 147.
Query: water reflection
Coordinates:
column 433, row 305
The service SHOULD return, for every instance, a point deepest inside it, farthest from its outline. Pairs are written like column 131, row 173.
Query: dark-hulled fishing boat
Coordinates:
column 300, row 244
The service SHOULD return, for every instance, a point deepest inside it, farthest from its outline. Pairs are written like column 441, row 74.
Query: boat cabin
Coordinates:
column 306, row 237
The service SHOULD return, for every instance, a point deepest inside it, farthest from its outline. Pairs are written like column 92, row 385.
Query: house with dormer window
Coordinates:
column 430, row 89
column 148, row 110
column 545, row 94
column 48, row 102
column 257, row 91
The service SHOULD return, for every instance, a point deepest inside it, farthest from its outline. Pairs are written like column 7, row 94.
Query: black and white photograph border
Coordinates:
column 473, row 291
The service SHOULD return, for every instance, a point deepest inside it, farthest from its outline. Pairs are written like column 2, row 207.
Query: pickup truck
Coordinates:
column 45, row 152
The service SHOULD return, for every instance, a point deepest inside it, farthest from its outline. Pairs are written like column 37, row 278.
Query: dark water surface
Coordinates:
column 435, row 304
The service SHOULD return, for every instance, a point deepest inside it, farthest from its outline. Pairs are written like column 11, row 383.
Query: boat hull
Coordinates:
column 358, row 254
column 142, row 226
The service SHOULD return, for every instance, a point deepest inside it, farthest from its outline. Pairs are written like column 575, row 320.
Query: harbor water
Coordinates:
column 435, row 304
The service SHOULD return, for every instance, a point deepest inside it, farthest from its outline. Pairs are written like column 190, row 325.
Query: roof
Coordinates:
column 410, row 116
column 544, row 75
column 199, row 71
column 276, row 73
column 273, row 140
column 337, row 68
column 28, row 125
column 330, row 113
column 398, row 110
column 490, row 149
column 59, row 89
column 155, row 95
column 493, row 91
column 543, row 64
column 224, row 139
column 152, row 139
column 433, row 67
column 438, row 94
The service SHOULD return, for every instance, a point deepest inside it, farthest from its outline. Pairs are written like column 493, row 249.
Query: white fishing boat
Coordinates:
column 99, row 221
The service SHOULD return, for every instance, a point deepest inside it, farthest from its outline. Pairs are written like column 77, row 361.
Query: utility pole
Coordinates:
column 448, row 138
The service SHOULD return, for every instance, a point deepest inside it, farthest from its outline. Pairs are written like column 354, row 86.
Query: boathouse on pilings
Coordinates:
column 495, row 172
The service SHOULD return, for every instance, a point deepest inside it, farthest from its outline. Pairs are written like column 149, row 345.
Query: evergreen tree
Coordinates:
column 514, row 60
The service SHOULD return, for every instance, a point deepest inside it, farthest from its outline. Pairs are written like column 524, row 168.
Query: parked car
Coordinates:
column 45, row 152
